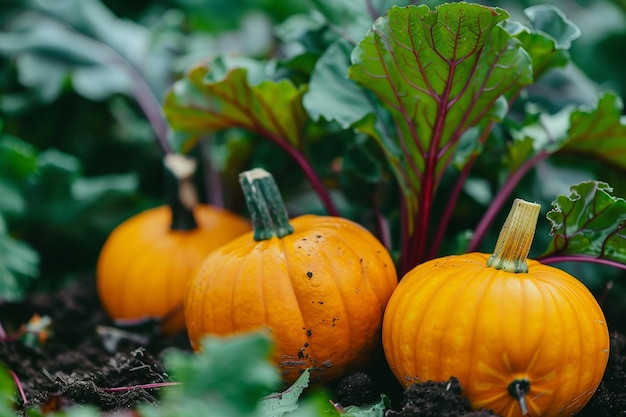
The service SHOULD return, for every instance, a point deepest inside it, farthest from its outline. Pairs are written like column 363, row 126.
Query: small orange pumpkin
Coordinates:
column 317, row 284
column 523, row 338
column 145, row 263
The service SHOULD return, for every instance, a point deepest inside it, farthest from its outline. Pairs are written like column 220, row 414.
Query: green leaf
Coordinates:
column 7, row 393
column 589, row 222
column 83, row 40
column 70, row 212
column 314, row 404
column 596, row 132
column 18, row 161
column 350, row 19
column 19, row 266
column 295, row 28
column 331, row 94
column 12, row 201
column 547, row 39
column 374, row 410
column 599, row 132
column 438, row 73
column 334, row 97
column 276, row 405
column 231, row 374
column 548, row 19
column 238, row 367
column 219, row 96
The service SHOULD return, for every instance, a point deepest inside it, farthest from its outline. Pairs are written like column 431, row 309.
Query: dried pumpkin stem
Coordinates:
column 516, row 237
column 181, row 191
column 519, row 389
column 268, row 212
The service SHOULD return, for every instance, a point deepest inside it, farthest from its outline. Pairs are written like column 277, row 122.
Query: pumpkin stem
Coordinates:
column 519, row 389
column 267, row 210
column 181, row 191
column 515, row 238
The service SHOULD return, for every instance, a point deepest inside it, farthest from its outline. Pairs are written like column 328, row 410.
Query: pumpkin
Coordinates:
column 523, row 338
column 144, row 265
column 318, row 285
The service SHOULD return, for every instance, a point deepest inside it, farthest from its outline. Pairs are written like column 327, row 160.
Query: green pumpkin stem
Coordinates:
column 516, row 237
column 181, row 191
column 268, row 212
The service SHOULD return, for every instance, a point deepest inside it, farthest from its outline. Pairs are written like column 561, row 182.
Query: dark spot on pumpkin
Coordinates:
column 292, row 363
column 306, row 344
column 319, row 236
column 320, row 302
column 301, row 354
column 309, row 332
column 309, row 274
column 327, row 364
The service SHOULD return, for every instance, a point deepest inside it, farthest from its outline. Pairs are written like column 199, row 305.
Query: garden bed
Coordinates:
column 73, row 366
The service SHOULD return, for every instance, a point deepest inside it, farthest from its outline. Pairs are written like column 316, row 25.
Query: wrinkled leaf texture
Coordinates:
column 438, row 72
column 589, row 221
column 597, row 132
column 217, row 96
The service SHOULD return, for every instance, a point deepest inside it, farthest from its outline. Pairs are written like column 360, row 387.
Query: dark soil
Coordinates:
column 81, row 363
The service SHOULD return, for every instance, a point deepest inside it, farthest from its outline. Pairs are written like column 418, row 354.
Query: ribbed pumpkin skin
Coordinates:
column 456, row 316
column 144, row 266
column 320, row 292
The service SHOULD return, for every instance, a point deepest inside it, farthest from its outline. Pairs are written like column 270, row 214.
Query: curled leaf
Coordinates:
column 589, row 221
column 211, row 98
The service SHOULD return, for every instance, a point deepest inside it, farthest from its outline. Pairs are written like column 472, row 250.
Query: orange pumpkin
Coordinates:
column 145, row 263
column 523, row 338
column 317, row 284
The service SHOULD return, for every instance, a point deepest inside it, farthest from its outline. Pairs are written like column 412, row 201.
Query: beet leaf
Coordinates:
column 438, row 73
column 588, row 226
column 223, row 94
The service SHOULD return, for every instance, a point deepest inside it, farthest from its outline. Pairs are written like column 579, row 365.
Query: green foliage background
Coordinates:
column 81, row 82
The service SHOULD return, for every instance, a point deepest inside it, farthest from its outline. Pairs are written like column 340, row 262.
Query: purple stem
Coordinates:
column 4, row 337
column 552, row 259
column 141, row 91
column 454, row 197
column 501, row 197
column 315, row 181
column 149, row 105
column 142, row 386
column 374, row 14
column 19, row 386
column 308, row 170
